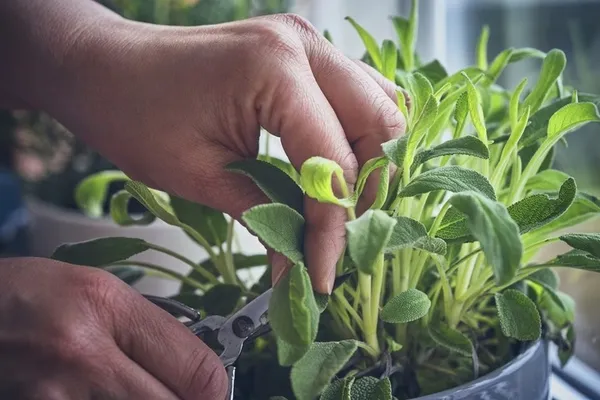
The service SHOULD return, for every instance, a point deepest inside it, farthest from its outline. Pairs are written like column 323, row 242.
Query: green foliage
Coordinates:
column 436, row 279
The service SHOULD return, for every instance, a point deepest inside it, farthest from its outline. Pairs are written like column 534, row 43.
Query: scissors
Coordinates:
column 233, row 332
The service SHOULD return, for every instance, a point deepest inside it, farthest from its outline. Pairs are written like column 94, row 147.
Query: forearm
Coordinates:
column 45, row 47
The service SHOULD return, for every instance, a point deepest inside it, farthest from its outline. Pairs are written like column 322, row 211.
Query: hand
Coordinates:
column 69, row 332
column 172, row 106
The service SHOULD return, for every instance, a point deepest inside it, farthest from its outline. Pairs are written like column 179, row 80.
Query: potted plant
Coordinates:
column 436, row 294
column 51, row 162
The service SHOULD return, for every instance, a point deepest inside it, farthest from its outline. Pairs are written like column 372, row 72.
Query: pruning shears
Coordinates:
column 232, row 332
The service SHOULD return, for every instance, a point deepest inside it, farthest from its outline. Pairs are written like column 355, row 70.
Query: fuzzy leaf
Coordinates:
column 547, row 180
column 519, row 317
column 476, row 111
column 389, row 56
column 208, row 222
column 395, row 150
column 221, row 299
column 369, row 42
column 293, row 312
column 466, row 145
column 409, row 233
column 451, row 339
column 100, row 252
column 368, row 168
column 492, row 226
column 282, row 165
column 339, row 389
column 558, row 306
column 370, row 388
column 91, row 192
column 545, row 277
column 408, row 306
column 524, row 53
column 552, row 67
column 274, row 182
column 433, row 71
column 153, row 200
column 453, row 179
column 461, row 112
column 288, row 354
column 576, row 259
column 421, row 92
column 367, row 237
column 322, row 301
column 129, row 275
column 588, row 242
column 566, row 351
column 583, row 208
column 497, row 66
column 119, row 211
column 316, row 179
column 571, row 117
column 319, row 365
column 286, row 236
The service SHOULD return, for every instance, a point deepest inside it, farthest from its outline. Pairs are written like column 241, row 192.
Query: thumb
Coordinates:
column 169, row 351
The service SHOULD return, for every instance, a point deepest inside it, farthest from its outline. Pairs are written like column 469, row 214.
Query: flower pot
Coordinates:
column 527, row 377
column 52, row 226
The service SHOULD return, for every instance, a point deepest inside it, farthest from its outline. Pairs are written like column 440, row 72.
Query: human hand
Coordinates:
column 172, row 106
column 70, row 332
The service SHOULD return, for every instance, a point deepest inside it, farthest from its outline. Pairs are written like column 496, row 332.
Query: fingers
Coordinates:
column 388, row 86
column 167, row 350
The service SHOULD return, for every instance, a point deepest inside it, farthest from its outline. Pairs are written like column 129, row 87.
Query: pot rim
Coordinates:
column 507, row 369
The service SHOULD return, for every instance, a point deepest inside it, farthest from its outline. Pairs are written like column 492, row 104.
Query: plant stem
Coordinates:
column 377, row 287
column 162, row 270
column 370, row 328
column 206, row 274
column 349, row 309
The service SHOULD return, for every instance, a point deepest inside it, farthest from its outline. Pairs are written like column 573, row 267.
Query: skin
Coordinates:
column 170, row 106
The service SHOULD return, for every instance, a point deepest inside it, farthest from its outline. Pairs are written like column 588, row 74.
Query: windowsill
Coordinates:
column 576, row 381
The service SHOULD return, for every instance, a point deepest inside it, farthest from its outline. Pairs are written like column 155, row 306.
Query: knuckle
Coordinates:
column 298, row 23
column 388, row 119
column 101, row 292
column 277, row 39
column 207, row 377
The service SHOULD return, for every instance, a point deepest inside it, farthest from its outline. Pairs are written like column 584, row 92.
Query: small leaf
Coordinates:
column 371, row 388
column 540, row 209
column 498, row 65
column 285, row 235
column 275, row 183
column 583, row 208
column 588, row 242
column 389, row 55
column 316, row 179
column 547, row 180
column 369, row 42
column 492, row 226
column 476, row 111
column 339, row 389
column 545, row 277
column 153, row 201
column 91, row 192
column 421, row 92
column 461, row 113
column 559, row 307
column 221, row 299
column 282, row 165
column 433, row 71
column 576, row 259
column 119, row 211
column 466, row 145
column 395, row 150
column 453, row 179
column 208, row 222
column 552, row 67
column 322, row 301
column 408, row 306
column 570, row 117
column 293, row 312
column 481, row 50
column 367, row 237
column 367, row 169
column 288, row 354
column 319, row 365
column 129, row 275
column 566, row 351
column 451, row 339
column 519, row 317
column 525, row 53
column 190, row 299
column 100, row 252
column 410, row 233
column 515, row 99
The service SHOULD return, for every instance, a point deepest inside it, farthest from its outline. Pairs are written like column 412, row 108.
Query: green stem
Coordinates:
column 231, row 276
column 377, row 286
column 162, row 270
column 206, row 274
column 370, row 328
column 349, row 309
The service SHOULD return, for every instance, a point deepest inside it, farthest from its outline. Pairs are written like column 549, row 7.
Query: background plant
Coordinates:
column 436, row 285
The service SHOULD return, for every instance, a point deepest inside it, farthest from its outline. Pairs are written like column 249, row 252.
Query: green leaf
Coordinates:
column 221, row 299
column 153, row 200
column 541, row 209
column 240, row 261
column 525, row 53
column 406, row 30
column 588, row 242
column 274, row 182
column 481, row 50
column 421, row 92
column 492, row 226
column 100, row 252
column 451, row 339
column 466, row 145
column 293, row 312
column 410, row 233
column 571, row 117
column 476, row 111
column 545, row 277
column 316, row 176
column 319, row 365
column 405, row 307
column 547, row 180
column 453, row 179
column 282, row 165
column 552, row 67
column 498, row 65
column 119, row 211
column 285, row 236
column 367, row 237
column 369, row 42
column 91, row 192
column 558, row 307
column 565, row 352
column 129, row 275
column 208, row 222
column 433, row 71
column 389, row 55
column 583, row 208
column 461, row 113
column 514, row 103
column 367, row 169
column 322, row 301
column 395, row 150
column 577, row 259
column 371, row 388
column 519, row 317
column 288, row 354
column 339, row 389
column 190, row 299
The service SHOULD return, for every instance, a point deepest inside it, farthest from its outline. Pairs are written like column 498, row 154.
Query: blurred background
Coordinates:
column 41, row 163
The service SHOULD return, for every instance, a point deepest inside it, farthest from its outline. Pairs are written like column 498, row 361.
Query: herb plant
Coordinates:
column 438, row 283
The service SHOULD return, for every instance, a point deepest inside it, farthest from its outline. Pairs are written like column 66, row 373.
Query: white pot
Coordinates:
column 52, row 226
